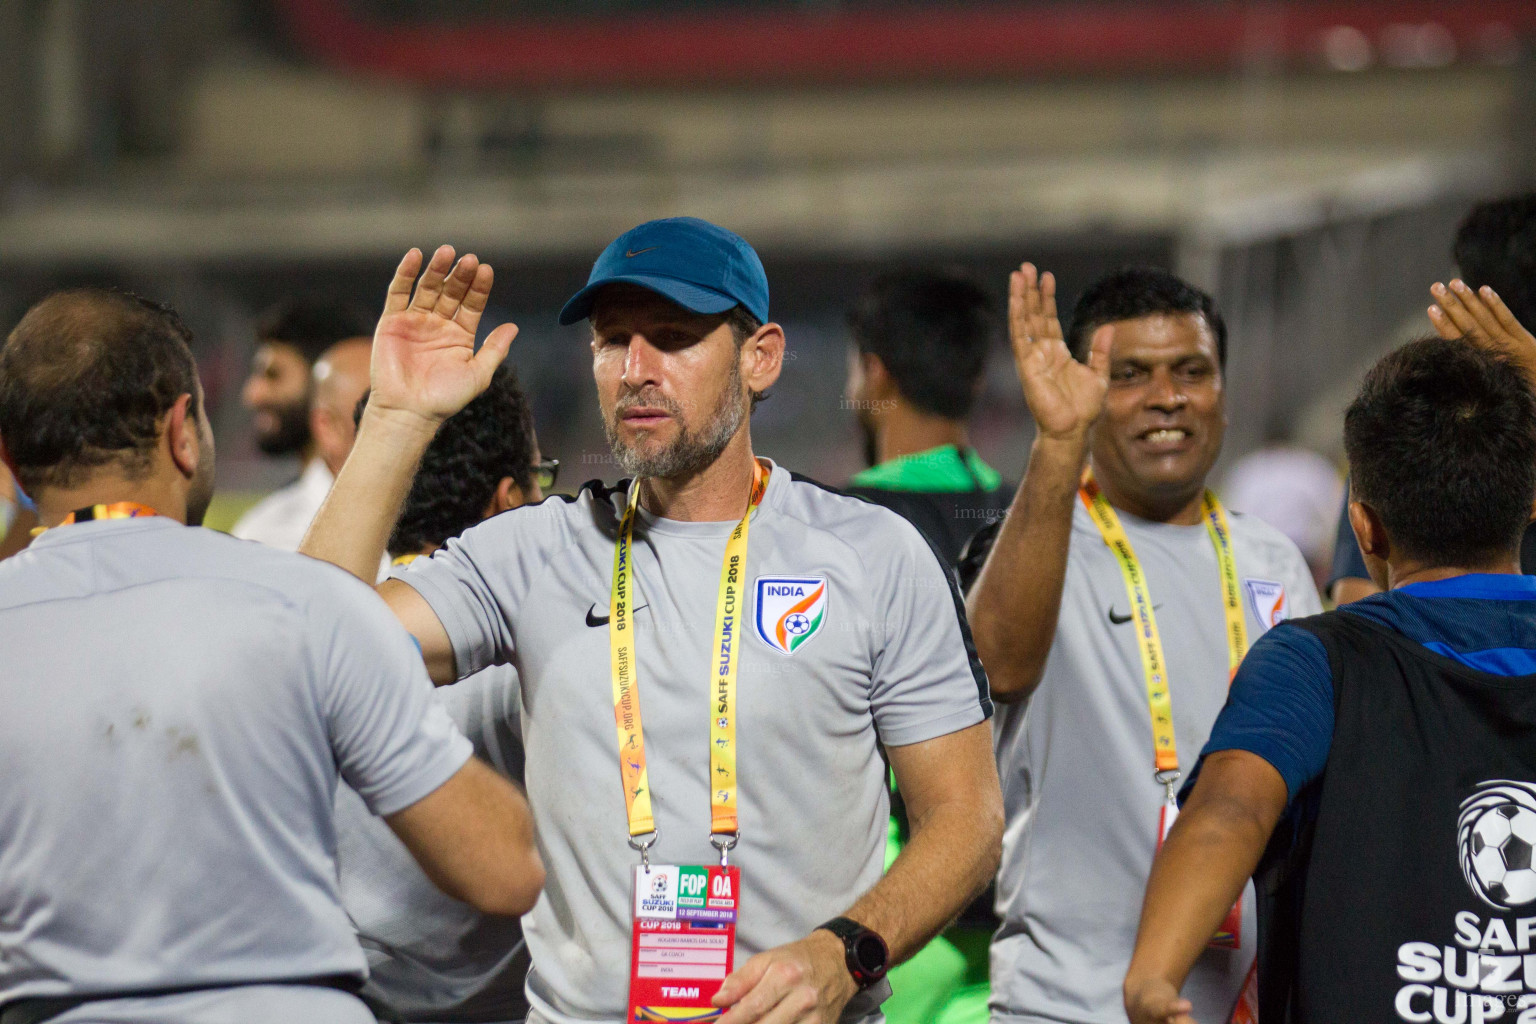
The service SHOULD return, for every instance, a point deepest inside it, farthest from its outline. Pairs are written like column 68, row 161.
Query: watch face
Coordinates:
column 870, row 953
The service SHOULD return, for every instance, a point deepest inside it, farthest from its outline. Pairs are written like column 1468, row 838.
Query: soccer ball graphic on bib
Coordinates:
column 1496, row 836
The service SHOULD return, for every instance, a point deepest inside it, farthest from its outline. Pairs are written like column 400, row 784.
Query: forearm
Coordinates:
column 353, row 525
column 1016, row 599
column 953, row 853
column 1200, row 872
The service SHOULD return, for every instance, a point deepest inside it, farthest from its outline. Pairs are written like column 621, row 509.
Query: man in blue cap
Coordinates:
column 759, row 640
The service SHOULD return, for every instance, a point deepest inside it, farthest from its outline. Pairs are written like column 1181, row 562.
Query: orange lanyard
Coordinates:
column 722, row 685
column 116, row 510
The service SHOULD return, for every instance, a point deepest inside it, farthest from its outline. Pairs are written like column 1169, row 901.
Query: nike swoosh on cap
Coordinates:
column 602, row 620
column 630, row 254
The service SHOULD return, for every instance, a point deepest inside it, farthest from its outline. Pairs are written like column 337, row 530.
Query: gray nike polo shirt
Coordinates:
column 882, row 655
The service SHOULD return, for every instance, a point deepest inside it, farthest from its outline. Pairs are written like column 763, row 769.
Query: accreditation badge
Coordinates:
column 683, row 941
column 1230, row 934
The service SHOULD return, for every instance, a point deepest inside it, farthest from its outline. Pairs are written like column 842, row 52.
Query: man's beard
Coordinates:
column 690, row 451
column 292, row 433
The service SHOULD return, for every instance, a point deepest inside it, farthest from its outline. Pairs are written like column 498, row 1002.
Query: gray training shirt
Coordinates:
column 177, row 708
column 1076, row 765
column 883, row 656
column 431, row 957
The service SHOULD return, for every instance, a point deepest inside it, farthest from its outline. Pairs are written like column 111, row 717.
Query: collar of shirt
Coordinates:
column 96, row 528
column 938, row 470
column 1479, row 585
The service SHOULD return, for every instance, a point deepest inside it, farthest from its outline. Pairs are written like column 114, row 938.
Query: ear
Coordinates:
column 507, row 496
column 878, row 382
column 1369, row 533
column 182, row 437
column 762, row 357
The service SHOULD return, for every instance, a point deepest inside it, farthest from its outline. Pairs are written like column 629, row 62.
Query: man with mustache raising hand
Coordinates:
column 716, row 629
column 1117, row 600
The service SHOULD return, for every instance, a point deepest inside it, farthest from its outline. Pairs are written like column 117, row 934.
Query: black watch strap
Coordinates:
column 864, row 951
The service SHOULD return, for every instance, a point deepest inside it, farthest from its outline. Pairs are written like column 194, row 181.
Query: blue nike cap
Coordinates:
column 699, row 266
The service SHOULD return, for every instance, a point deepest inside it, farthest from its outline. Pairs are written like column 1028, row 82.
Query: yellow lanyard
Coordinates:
column 404, row 559
column 116, row 510
column 1153, row 665
column 723, row 657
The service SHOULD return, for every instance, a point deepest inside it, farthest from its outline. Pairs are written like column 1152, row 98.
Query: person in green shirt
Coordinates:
column 920, row 341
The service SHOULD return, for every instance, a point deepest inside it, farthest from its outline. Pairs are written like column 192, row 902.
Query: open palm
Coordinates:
column 424, row 358
column 1482, row 317
column 1064, row 395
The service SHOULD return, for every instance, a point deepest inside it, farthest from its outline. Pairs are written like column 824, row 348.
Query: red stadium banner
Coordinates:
column 777, row 42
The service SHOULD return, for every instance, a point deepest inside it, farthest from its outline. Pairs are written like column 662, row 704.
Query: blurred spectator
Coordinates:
column 280, row 392
column 920, row 352
column 1294, row 490
column 341, row 380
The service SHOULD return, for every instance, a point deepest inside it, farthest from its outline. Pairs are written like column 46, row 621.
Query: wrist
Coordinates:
column 400, row 429
column 1071, row 446
column 863, row 953
column 1056, row 464
column 827, row 949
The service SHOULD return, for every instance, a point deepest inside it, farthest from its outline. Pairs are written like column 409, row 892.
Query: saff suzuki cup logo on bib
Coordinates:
column 790, row 610
column 1495, row 837
column 1270, row 604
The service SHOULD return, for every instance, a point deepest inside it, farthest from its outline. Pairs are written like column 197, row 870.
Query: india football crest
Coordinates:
column 1270, row 604
column 790, row 610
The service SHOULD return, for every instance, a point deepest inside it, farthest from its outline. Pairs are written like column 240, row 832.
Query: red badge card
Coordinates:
column 683, row 942
column 1230, row 934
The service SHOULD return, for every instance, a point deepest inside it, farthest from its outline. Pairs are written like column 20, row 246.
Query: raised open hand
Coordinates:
column 424, row 358
column 1482, row 317
column 1064, row 395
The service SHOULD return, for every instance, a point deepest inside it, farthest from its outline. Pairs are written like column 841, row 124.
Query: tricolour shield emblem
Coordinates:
column 790, row 610
column 1270, row 604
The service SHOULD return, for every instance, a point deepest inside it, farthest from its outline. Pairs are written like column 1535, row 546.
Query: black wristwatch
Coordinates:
column 863, row 950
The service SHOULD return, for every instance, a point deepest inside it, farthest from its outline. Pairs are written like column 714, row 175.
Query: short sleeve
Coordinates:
column 928, row 681
column 392, row 741
column 476, row 583
column 1302, row 588
column 1280, row 708
column 1347, row 560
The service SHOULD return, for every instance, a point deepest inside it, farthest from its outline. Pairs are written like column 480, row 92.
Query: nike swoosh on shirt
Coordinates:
column 1120, row 620
column 602, row 620
column 630, row 254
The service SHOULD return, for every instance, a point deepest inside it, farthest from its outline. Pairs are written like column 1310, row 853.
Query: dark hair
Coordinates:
column 85, row 379
column 490, row 438
column 1442, row 444
column 931, row 329
column 742, row 323
column 313, row 323
column 1134, row 292
column 1496, row 246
